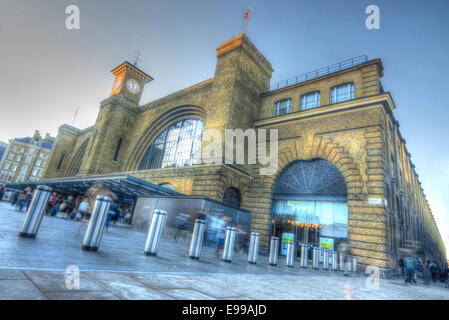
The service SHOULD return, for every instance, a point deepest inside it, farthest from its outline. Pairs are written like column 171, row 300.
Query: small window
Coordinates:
column 392, row 167
column 22, row 149
column 11, row 156
column 24, row 169
column 117, row 150
column 19, row 157
column 6, row 166
column 28, row 159
column 14, row 148
column 38, row 162
column 282, row 107
column 60, row 161
column 342, row 92
column 310, row 100
column 31, row 152
column 14, row 167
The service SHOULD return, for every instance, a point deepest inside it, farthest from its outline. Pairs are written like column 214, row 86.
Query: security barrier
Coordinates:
column 96, row 225
column 228, row 248
column 155, row 232
column 197, row 239
column 253, row 248
column 35, row 212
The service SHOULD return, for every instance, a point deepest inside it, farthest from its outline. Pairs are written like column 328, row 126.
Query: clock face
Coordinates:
column 117, row 83
column 133, row 86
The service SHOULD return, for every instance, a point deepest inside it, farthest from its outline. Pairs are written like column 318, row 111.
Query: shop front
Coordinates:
column 310, row 206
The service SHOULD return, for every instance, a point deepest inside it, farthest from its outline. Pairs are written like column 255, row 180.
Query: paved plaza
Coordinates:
column 37, row 269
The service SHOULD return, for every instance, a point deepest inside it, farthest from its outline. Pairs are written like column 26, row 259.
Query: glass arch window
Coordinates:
column 177, row 146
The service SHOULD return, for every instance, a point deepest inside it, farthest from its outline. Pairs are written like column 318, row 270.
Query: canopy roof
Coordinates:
column 123, row 185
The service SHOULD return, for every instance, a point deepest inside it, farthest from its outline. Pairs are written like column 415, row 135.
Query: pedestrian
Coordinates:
column 426, row 274
column 21, row 201
column 15, row 198
column 2, row 191
column 410, row 269
column 401, row 266
column 113, row 210
column 433, row 271
column 181, row 226
column 221, row 234
column 83, row 208
column 343, row 248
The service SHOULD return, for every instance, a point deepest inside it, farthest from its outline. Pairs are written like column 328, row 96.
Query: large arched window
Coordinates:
column 177, row 146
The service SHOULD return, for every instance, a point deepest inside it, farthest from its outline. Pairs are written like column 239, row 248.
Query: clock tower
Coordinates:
column 129, row 81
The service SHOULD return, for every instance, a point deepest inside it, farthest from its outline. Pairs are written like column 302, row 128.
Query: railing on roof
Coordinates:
column 318, row 73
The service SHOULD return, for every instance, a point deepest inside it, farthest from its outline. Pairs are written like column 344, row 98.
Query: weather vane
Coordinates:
column 137, row 57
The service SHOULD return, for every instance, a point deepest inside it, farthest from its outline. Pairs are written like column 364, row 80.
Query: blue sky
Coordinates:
column 49, row 71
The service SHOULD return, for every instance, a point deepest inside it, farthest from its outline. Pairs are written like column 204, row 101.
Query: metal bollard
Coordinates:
column 304, row 256
column 197, row 239
column 96, row 225
column 354, row 264
column 155, row 232
column 290, row 254
column 316, row 258
column 274, row 247
column 348, row 263
column 341, row 263
column 325, row 259
column 228, row 248
column 253, row 248
column 35, row 212
column 334, row 261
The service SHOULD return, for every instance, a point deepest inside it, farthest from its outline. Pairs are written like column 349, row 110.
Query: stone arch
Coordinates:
column 260, row 193
column 156, row 127
column 75, row 162
column 319, row 147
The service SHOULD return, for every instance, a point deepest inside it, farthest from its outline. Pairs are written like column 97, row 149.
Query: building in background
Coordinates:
column 344, row 173
column 3, row 147
column 25, row 159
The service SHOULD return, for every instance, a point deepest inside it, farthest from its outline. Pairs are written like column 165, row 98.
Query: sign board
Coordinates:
column 286, row 237
column 375, row 201
column 327, row 243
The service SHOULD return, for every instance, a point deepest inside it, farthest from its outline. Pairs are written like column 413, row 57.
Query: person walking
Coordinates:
column 426, row 274
column 401, row 265
column 2, row 191
column 433, row 271
column 410, row 269
column 21, row 201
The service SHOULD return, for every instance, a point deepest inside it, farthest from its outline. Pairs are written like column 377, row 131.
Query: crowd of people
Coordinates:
column 428, row 270
column 75, row 207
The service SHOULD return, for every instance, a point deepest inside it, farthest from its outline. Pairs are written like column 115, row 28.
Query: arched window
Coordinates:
column 117, row 150
column 177, row 146
column 309, row 202
column 232, row 197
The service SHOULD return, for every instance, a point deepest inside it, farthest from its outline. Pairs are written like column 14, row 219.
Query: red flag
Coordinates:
column 247, row 15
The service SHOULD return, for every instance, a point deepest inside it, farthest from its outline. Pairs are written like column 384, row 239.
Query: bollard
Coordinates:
column 325, row 259
column 197, row 239
column 348, row 264
column 35, row 212
column 334, row 261
column 155, row 232
column 316, row 258
column 228, row 248
column 96, row 225
column 341, row 263
column 304, row 256
column 290, row 254
column 274, row 247
column 253, row 248
column 354, row 264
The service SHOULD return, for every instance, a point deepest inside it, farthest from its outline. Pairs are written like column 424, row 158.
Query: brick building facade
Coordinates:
column 337, row 122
